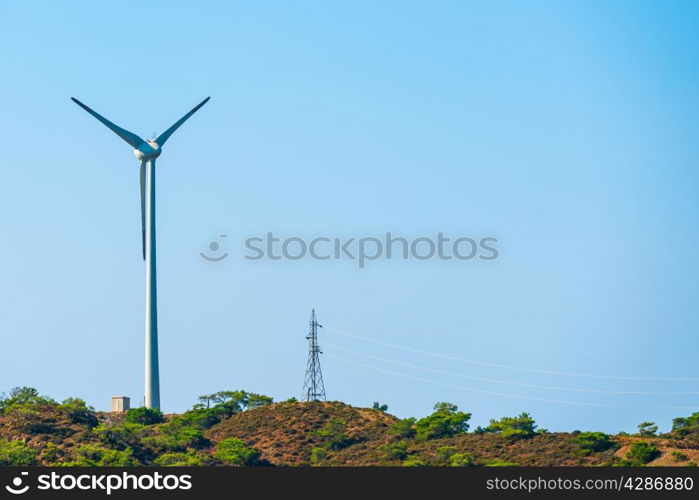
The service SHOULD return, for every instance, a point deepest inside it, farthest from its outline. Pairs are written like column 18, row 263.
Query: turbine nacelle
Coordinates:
column 147, row 150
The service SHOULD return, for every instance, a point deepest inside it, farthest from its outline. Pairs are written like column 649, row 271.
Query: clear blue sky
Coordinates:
column 569, row 130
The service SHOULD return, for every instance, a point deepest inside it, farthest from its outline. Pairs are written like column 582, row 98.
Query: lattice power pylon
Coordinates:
column 313, row 387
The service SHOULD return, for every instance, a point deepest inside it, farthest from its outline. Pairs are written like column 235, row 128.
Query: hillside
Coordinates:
column 239, row 428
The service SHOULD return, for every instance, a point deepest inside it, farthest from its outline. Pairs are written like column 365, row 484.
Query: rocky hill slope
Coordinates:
column 239, row 428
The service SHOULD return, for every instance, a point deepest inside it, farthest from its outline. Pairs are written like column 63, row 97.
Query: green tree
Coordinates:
column 642, row 452
column 79, row 412
column 682, row 426
column 205, row 401
column 16, row 454
column 212, row 408
column 591, row 442
column 446, row 421
column 23, row 397
column 379, row 407
column 647, row 429
column 513, row 428
column 233, row 451
column 404, row 428
column 257, row 400
column 144, row 416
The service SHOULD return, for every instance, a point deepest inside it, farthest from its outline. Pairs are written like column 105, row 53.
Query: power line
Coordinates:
column 470, row 389
column 313, row 386
column 510, row 367
column 509, row 382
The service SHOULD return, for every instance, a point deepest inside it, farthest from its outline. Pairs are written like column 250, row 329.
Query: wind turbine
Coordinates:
column 147, row 151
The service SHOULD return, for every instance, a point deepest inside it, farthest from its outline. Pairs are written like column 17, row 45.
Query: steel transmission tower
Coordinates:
column 313, row 387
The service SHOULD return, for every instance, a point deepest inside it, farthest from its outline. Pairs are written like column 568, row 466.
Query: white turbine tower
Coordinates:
column 147, row 151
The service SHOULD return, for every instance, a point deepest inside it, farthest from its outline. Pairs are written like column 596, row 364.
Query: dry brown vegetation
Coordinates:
column 286, row 434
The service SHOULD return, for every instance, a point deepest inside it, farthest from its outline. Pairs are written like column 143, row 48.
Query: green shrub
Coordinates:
column 177, row 459
column 446, row 421
column 121, row 436
column 178, row 434
column 500, row 463
column 180, row 441
column 413, row 462
column 16, row 454
column 591, row 442
column 30, row 419
column 461, row 460
column 446, row 452
column 679, row 457
column 144, row 416
column 201, row 418
column 233, row 451
column 333, row 434
column 319, row 454
column 404, row 428
column 50, row 454
column 448, row 455
column 642, row 452
column 395, row 451
column 92, row 455
column 513, row 428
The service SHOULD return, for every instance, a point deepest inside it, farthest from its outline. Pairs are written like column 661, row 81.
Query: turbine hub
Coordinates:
column 147, row 150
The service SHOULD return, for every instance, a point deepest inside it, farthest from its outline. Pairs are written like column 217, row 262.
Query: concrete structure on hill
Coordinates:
column 121, row 403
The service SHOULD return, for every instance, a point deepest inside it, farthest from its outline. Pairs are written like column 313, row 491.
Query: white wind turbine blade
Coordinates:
column 129, row 137
column 165, row 135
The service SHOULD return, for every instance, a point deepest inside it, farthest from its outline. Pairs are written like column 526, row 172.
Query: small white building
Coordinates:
column 120, row 403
